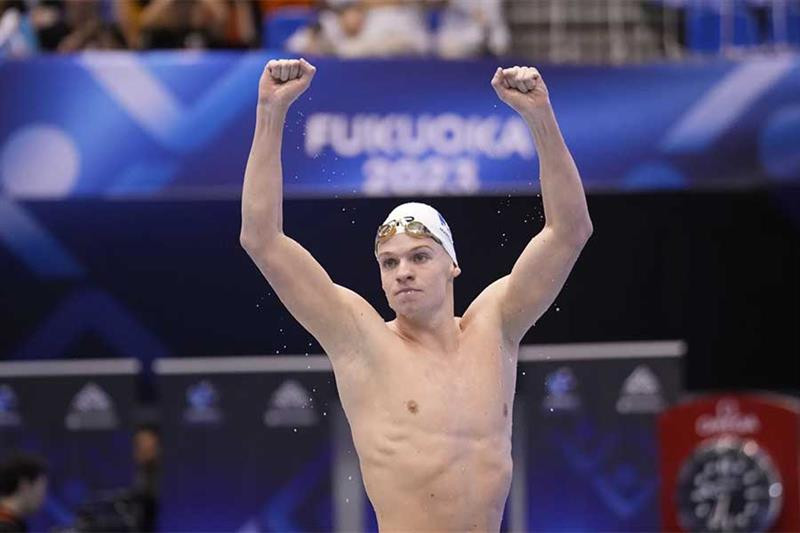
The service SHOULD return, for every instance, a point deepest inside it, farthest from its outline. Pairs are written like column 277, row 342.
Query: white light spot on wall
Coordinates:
column 39, row 161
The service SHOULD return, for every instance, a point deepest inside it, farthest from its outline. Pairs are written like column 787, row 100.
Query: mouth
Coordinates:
column 405, row 291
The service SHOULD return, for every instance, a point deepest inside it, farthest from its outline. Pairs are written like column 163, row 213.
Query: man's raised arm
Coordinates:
column 542, row 269
column 326, row 310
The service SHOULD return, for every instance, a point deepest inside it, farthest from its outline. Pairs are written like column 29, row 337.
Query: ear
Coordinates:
column 456, row 271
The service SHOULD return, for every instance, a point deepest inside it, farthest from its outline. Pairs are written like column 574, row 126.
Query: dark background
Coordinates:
column 717, row 269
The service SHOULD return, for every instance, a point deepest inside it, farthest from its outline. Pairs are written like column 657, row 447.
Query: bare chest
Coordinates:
column 467, row 393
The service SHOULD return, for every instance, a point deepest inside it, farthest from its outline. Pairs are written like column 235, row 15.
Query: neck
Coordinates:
column 438, row 332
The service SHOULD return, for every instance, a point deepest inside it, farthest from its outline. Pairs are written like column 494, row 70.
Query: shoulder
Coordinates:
column 368, row 328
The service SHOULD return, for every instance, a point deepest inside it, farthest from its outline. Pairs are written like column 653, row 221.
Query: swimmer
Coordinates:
column 428, row 395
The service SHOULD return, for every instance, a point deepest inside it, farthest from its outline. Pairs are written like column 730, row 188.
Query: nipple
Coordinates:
column 412, row 407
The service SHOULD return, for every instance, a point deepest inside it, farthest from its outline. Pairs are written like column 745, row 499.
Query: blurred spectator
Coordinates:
column 87, row 30
column 17, row 36
column 147, row 461
column 244, row 28
column 49, row 19
column 176, row 23
column 469, row 29
column 70, row 25
column 365, row 28
column 23, row 488
column 337, row 21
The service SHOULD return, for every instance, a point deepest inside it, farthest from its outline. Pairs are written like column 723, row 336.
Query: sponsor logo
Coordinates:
column 202, row 404
column 91, row 409
column 290, row 405
column 641, row 392
column 9, row 416
column 444, row 227
column 726, row 419
column 561, row 391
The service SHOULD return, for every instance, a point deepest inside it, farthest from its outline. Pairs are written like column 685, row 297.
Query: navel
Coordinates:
column 412, row 407
column 505, row 410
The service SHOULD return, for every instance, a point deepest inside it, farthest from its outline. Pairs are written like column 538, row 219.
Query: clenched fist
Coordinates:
column 522, row 88
column 283, row 80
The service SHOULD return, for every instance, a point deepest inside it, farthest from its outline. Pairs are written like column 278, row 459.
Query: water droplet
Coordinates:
column 350, row 478
column 523, row 372
column 295, row 430
column 324, row 413
column 558, row 309
column 347, row 500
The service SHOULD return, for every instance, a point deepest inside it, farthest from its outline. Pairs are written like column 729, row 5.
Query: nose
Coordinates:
column 404, row 271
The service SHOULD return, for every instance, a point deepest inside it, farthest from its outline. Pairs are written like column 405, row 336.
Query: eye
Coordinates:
column 420, row 257
column 388, row 263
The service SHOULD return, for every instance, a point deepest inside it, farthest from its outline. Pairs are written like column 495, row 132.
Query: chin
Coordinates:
column 411, row 310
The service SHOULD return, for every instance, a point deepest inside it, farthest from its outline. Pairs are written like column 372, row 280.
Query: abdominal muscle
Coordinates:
column 421, row 480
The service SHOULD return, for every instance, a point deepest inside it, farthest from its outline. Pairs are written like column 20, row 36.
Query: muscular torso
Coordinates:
column 433, row 430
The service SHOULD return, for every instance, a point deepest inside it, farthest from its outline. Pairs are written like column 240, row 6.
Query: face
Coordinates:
column 351, row 19
column 33, row 493
column 415, row 274
column 145, row 447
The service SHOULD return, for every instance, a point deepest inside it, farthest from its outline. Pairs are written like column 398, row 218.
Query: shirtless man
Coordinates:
column 428, row 395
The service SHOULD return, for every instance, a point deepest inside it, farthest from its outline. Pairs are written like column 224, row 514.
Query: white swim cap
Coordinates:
column 429, row 217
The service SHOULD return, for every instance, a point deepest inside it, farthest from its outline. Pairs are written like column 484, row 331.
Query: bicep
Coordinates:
column 328, row 311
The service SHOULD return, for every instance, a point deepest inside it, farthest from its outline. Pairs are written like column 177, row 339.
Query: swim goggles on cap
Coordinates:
column 414, row 228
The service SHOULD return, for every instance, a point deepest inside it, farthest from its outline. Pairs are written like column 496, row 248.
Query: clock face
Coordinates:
column 728, row 484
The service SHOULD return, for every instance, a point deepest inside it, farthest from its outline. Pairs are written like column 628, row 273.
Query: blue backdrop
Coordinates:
column 179, row 125
column 246, row 452
column 81, row 424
